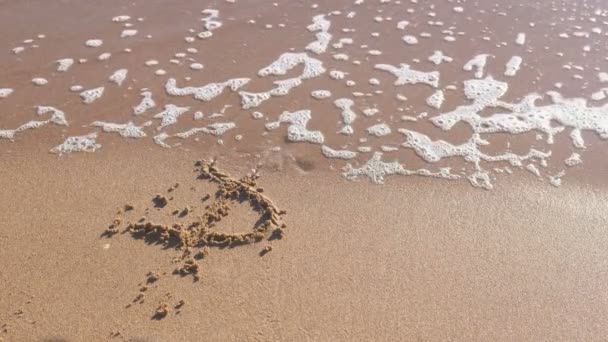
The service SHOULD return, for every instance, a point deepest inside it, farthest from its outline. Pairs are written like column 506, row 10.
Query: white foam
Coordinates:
column 282, row 88
column 5, row 92
column 211, row 21
column 64, row 64
column 341, row 42
column 337, row 74
column 146, row 103
column 438, row 57
column 320, row 25
column 206, row 92
column 338, row 154
column 436, row 99
column 573, row 160
column 151, row 62
column 297, row 131
column 39, row 81
column 533, row 169
column 525, row 116
column 521, row 38
column 128, row 33
column 257, row 115
column 196, row 66
column 556, row 180
column 409, row 40
column 287, row 61
column 104, row 56
column 348, row 115
column 57, row 116
column 375, row 169
column 433, row 151
column 402, row 24
column 170, row 115
column 599, row 95
column 160, row 139
column 370, row 111
column 89, row 96
column 513, row 66
column 478, row 63
column 320, row 94
column 94, row 43
column 406, row 75
column 76, row 88
column 121, row 18
column 119, row 76
column 128, row 130
column 216, row 129
column 83, row 143
column 379, row 130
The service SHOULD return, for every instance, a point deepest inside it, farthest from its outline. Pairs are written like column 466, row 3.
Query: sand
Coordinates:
column 415, row 258
column 358, row 261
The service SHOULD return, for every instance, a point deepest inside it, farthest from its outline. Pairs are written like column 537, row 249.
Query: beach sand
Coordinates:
column 412, row 260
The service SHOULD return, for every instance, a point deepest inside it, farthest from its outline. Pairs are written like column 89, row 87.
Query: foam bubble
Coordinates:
column 433, row 151
column 170, row 115
column 146, row 103
column 525, row 116
column 478, row 63
column 217, row 129
column 438, row 57
column 321, row 26
column 83, row 143
column 121, row 18
column 556, row 180
column 513, row 66
column 128, row 130
column 375, row 169
column 119, row 76
column 64, row 64
column 297, row 131
column 379, row 130
column 57, row 116
column 257, row 115
column 573, row 160
column 89, row 96
column 436, row 99
column 160, row 139
column 287, row 61
column 94, row 43
column 196, row 66
column 410, row 40
column 406, row 75
column 211, row 22
column 337, row 75
column 206, row 92
column 338, row 154
column 39, row 81
column 128, row 33
column 320, row 94
column 5, row 92
column 521, row 38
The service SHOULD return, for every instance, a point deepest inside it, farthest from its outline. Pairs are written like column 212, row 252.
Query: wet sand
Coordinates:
column 413, row 259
